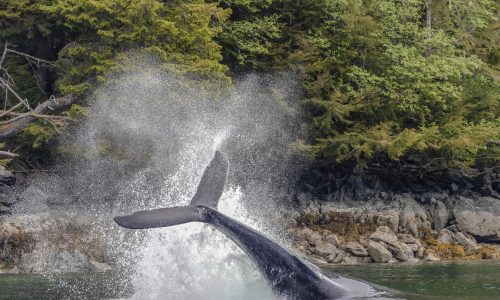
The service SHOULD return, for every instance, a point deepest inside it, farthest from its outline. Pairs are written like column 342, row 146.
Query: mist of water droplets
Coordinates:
column 145, row 143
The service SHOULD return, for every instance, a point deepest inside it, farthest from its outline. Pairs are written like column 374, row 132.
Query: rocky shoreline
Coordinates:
column 50, row 242
column 353, row 225
column 392, row 227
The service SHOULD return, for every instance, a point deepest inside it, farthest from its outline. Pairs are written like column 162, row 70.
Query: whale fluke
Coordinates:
column 160, row 217
column 212, row 182
column 208, row 194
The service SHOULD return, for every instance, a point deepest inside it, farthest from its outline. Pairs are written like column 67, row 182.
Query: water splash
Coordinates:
column 146, row 142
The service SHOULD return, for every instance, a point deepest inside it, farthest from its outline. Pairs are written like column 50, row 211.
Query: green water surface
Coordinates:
column 452, row 280
column 444, row 280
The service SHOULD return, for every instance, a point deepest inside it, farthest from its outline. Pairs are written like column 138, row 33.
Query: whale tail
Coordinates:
column 212, row 182
column 208, row 194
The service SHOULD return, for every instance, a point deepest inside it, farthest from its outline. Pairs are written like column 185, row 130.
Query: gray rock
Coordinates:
column 401, row 251
column 304, row 233
column 314, row 238
column 407, row 238
column 351, row 260
column 389, row 218
column 413, row 247
column 356, row 249
column 330, row 258
column 324, row 249
column 452, row 228
column 480, row 218
column 384, row 234
column 439, row 214
column 7, row 177
column 428, row 196
column 367, row 260
column 332, row 239
column 339, row 257
column 469, row 244
column 301, row 248
column 4, row 210
column 431, row 257
column 445, row 236
column 420, row 252
column 316, row 260
column 411, row 214
column 379, row 253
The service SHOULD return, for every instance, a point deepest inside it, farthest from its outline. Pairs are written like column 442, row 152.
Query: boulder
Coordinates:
column 314, row 238
column 324, row 249
column 304, row 233
column 480, row 218
column 384, row 234
column 389, row 218
column 331, row 258
column 420, row 252
column 351, row 260
column 445, row 236
column 401, row 251
column 411, row 214
column 407, row 238
column 439, row 214
column 379, row 253
column 332, row 239
column 470, row 245
column 356, row 249
column 413, row 247
column 431, row 257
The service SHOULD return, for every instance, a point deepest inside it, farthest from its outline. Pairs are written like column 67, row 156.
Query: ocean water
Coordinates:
column 443, row 280
column 449, row 280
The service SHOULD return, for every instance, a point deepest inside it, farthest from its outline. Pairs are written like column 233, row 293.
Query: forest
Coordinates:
column 406, row 83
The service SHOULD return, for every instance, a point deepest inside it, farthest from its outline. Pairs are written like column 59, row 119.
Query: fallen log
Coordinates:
column 42, row 110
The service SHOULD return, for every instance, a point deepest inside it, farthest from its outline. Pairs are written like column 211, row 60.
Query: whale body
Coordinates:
column 287, row 274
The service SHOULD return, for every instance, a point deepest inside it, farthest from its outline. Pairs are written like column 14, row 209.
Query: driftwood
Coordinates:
column 12, row 121
column 22, row 120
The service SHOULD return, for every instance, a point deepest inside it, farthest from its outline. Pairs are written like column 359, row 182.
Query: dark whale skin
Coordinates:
column 288, row 275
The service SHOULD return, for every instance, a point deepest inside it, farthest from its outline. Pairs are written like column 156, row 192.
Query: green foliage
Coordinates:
column 36, row 134
column 378, row 78
column 180, row 33
column 90, row 40
column 414, row 81
column 77, row 112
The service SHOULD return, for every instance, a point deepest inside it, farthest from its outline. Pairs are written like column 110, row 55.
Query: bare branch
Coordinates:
column 38, row 60
column 13, row 122
column 4, row 53
column 10, row 111
column 8, row 154
column 33, row 114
